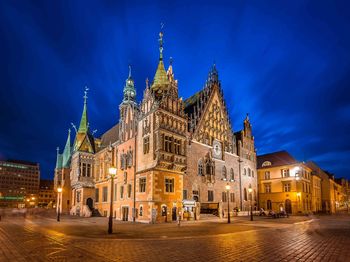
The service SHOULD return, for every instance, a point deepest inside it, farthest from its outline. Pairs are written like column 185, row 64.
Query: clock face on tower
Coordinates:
column 217, row 152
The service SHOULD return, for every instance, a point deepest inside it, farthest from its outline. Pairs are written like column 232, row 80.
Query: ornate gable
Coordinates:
column 209, row 120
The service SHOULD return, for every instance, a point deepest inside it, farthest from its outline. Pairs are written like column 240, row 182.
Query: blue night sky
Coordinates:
column 287, row 64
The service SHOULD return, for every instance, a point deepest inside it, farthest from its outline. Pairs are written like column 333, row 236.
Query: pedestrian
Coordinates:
column 178, row 219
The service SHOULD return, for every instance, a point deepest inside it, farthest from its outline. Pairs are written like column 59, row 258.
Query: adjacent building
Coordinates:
column 173, row 156
column 47, row 196
column 286, row 184
column 19, row 183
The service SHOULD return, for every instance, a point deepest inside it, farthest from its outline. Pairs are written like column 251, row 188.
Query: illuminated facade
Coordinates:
column 19, row 183
column 173, row 157
column 285, row 184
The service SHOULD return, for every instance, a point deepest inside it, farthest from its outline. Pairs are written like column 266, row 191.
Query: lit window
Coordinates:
column 169, row 185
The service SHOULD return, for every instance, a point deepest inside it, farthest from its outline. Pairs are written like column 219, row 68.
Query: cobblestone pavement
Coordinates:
column 325, row 238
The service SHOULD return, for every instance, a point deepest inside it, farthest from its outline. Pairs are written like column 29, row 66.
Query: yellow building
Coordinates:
column 284, row 184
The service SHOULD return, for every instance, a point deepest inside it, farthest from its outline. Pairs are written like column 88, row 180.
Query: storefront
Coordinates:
column 189, row 209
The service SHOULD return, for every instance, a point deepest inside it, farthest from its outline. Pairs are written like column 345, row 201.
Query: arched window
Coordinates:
column 232, row 175
column 249, row 172
column 245, row 194
column 200, row 167
column 252, row 173
column 224, row 173
column 269, row 205
column 245, row 172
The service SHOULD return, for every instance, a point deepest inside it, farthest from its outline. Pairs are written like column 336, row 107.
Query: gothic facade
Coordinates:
column 173, row 157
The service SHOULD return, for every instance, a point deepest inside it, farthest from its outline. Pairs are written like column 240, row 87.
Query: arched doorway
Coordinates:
column 288, row 206
column 89, row 203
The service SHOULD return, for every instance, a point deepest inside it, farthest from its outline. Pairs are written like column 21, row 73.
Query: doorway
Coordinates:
column 174, row 215
column 288, row 206
column 125, row 213
column 89, row 203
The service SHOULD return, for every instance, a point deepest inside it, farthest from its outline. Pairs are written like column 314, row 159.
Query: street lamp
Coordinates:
column 250, row 190
column 59, row 190
column 228, row 187
column 112, row 172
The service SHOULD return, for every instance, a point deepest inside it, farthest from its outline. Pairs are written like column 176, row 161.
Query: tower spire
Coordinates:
column 129, row 89
column 161, row 41
column 83, row 127
column 160, row 81
column 67, row 151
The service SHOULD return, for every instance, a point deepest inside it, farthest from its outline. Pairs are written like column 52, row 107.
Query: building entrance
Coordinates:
column 288, row 206
column 125, row 213
column 89, row 203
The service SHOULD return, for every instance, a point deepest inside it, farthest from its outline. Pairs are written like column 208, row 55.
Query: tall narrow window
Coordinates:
column 88, row 173
column 184, row 194
column 104, row 194
column 121, row 191
column 224, row 173
column 129, row 190
column 200, row 167
column 210, row 195
column 146, row 145
column 232, row 175
column 84, row 169
column 268, row 205
column 232, row 197
column 169, row 185
column 249, row 172
column 245, row 194
column 223, row 196
column 142, row 185
column 115, row 192
column 97, row 195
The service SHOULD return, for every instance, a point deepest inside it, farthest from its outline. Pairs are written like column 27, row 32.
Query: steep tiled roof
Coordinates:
column 279, row 158
column 110, row 136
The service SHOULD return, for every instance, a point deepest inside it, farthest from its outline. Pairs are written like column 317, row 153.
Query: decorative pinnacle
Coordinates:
column 129, row 71
column 161, row 41
column 85, row 94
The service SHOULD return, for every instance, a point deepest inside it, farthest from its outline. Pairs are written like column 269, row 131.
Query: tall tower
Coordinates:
column 128, row 110
column 62, row 176
column 161, row 150
column 82, row 175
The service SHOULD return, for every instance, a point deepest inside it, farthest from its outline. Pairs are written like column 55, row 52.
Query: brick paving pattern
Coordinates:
column 320, row 239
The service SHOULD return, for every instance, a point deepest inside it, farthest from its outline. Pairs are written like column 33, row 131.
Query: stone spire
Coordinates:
column 160, row 81
column 129, row 89
column 58, row 159
column 84, row 126
column 67, row 152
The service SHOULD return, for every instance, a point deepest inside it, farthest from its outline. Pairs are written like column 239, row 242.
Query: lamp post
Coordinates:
column 112, row 172
column 250, row 190
column 228, row 203
column 59, row 191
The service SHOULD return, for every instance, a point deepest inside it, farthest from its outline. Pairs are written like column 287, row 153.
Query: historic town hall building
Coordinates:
column 172, row 156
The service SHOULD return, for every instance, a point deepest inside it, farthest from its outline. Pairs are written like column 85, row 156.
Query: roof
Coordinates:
column 110, row 136
column 279, row 158
column 191, row 102
column 23, row 162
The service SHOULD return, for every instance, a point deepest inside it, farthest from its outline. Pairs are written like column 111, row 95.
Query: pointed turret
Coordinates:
column 67, row 152
column 129, row 89
column 160, row 81
column 247, row 126
column 84, row 140
column 58, row 159
column 84, row 126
